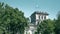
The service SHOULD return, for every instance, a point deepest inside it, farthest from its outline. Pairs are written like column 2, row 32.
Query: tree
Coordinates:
column 2, row 25
column 12, row 20
column 46, row 27
column 57, row 28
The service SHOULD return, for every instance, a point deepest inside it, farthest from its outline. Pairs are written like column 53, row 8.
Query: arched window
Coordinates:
column 44, row 17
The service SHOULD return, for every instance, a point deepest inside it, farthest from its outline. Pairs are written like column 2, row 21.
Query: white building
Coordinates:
column 36, row 18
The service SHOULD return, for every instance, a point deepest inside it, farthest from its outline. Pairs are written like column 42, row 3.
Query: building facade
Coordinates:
column 36, row 19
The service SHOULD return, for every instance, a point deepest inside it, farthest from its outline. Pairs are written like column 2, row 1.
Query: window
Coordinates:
column 44, row 17
column 39, row 17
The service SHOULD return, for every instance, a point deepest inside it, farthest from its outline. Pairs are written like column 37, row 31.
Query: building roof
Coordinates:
column 31, row 24
column 39, row 12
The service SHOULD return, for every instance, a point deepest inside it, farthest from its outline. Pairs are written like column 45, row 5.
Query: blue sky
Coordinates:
column 29, row 6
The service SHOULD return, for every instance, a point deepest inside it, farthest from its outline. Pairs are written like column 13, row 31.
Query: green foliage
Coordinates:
column 46, row 27
column 57, row 24
column 12, row 20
